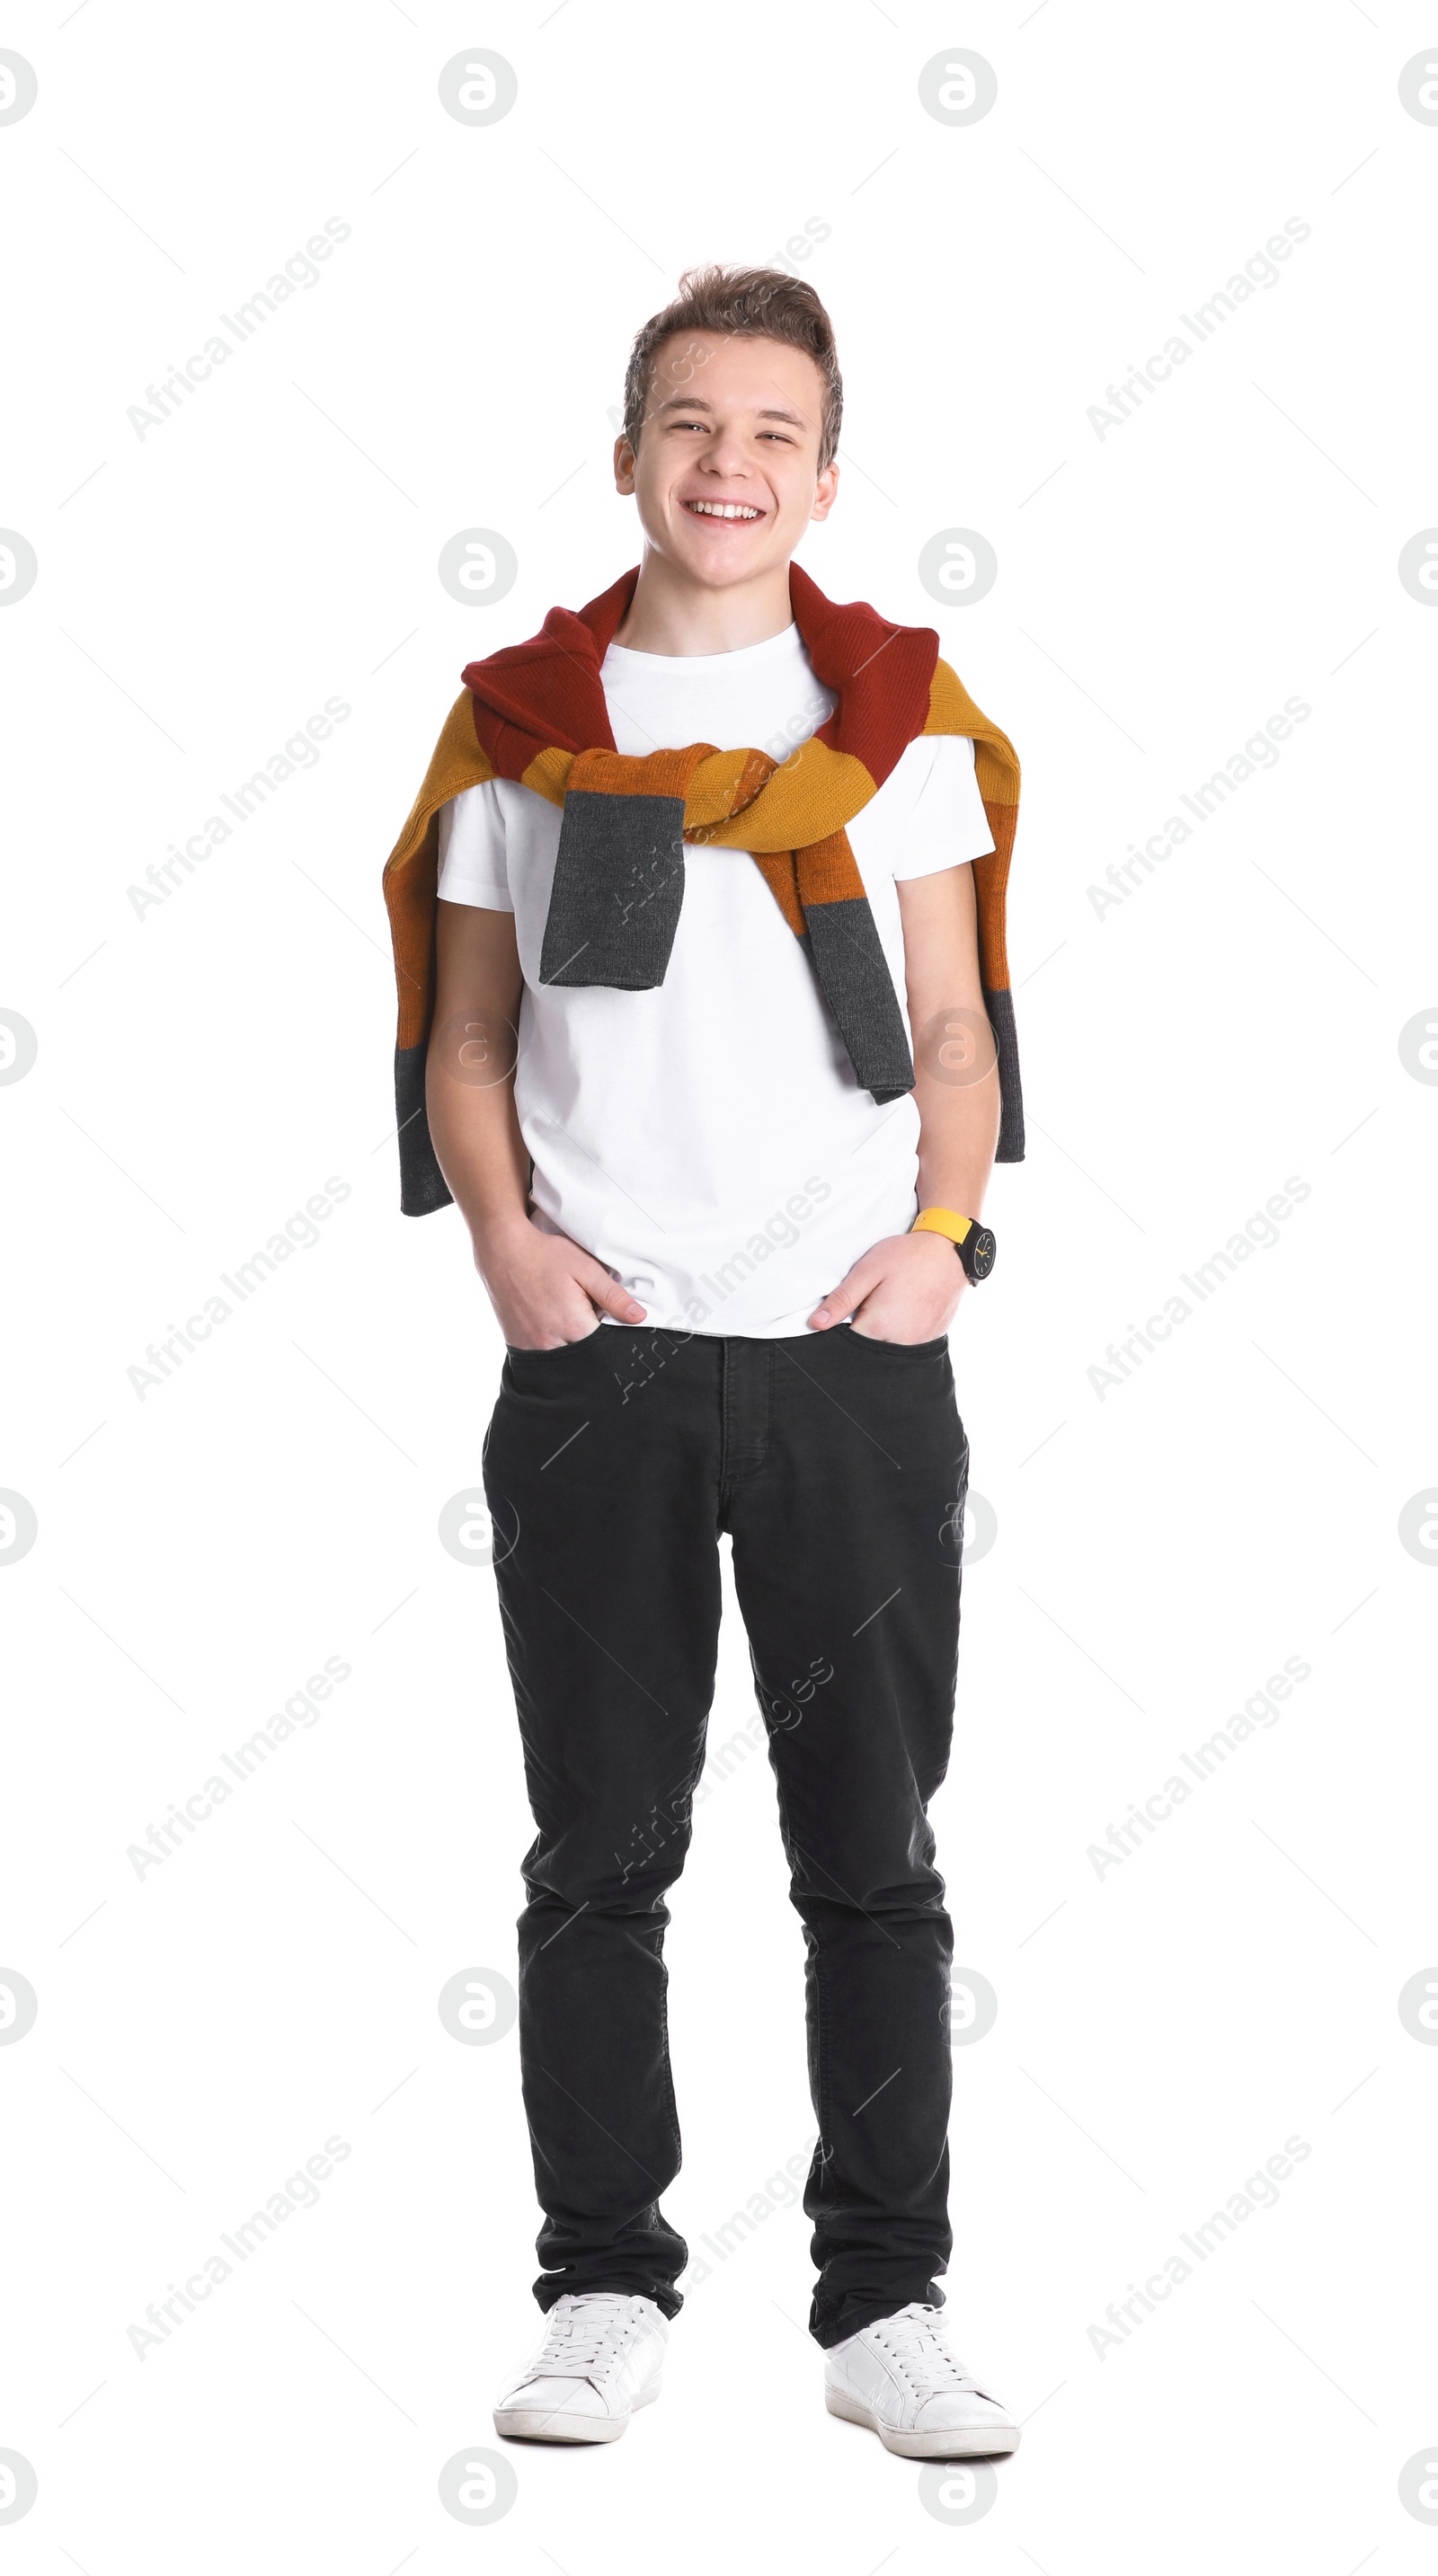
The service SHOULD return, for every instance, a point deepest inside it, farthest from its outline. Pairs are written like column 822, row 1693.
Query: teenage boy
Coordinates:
column 693, row 877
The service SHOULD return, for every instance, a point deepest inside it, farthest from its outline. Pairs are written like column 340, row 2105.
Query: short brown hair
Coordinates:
column 750, row 304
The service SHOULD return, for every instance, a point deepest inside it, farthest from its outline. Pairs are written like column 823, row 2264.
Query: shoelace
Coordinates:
column 585, row 2342
column 915, row 2340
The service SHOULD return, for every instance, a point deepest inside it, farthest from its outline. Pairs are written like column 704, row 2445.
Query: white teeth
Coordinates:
column 725, row 509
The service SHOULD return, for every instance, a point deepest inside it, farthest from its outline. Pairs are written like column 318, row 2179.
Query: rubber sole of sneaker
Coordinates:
column 976, row 2442
column 531, row 2424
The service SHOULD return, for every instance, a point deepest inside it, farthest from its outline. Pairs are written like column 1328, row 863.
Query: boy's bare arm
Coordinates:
column 544, row 1289
column 907, row 1288
column 957, row 1084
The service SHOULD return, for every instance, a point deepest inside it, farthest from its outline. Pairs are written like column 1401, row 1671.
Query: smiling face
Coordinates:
column 727, row 473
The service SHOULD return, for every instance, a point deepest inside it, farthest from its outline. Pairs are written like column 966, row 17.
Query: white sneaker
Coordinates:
column 602, row 2356
column 899, row 2377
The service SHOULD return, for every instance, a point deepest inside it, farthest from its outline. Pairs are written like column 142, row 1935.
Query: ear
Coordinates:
column 625, row 464
column 825, row 492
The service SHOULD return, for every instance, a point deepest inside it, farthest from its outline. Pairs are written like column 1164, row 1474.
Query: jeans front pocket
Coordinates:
column 524, row 1351
column 876, row 1342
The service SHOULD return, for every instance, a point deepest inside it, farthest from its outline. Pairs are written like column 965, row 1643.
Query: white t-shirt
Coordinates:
column 707, row 1141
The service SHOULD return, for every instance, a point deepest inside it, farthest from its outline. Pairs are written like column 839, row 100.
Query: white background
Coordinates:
column 204, row 1068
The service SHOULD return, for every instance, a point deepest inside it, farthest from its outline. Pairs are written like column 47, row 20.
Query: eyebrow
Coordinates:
column 694, row 402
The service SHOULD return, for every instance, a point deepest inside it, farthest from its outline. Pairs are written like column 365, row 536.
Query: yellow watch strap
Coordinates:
column 938, row 1220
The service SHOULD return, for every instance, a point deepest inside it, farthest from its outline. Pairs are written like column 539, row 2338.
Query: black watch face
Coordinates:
column 981, row 1250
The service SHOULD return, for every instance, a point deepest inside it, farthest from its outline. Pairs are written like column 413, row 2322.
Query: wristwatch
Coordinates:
column 974, row 1243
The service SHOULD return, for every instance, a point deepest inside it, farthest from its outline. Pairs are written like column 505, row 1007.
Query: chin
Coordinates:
column 701, row 566
column 708, row 577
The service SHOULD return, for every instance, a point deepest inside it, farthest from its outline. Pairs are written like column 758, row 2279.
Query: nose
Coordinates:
column 725, row 458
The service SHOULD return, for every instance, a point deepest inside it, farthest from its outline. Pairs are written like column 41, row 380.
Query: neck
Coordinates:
column 672, row 614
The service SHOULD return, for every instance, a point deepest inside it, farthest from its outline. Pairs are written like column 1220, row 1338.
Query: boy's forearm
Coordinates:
column 956, row 1085
column 479, row 1149
column 958, row 1132
column 469, row 1071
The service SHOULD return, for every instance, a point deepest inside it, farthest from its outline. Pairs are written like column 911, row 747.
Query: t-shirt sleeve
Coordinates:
column 945, row 822
column 472, row 850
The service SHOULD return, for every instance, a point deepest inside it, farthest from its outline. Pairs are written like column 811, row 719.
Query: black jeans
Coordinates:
column 838, row 1463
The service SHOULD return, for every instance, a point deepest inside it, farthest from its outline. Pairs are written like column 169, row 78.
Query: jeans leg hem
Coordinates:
column 827, row 2331
column 667, row 2300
